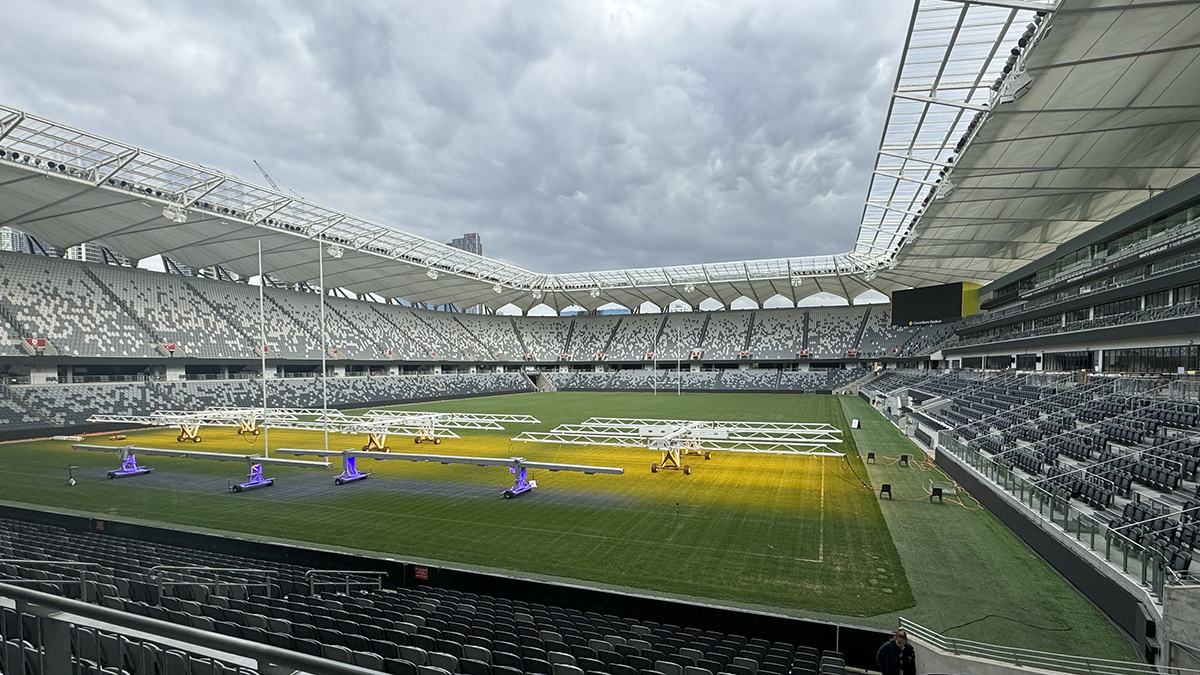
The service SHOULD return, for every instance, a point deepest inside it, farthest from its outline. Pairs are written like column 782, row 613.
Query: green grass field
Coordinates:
column 796, row 535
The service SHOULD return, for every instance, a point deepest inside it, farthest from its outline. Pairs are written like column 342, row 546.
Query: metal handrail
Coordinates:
column 200, row 568
column 57, row 608
column 47, row 582
column 1111, row 282
column 216, row 584
column 1031, row 658
column 311, row 575
column 85, row 591
column 1152, row 566
column 62, row 563
column 1186, row 578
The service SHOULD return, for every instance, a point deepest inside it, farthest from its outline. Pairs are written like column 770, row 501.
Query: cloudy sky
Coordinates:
column 574, row 135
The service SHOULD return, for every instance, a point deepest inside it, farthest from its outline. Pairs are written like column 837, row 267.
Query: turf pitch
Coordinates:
column 798, row 535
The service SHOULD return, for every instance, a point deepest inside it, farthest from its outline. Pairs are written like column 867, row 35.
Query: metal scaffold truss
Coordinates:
column 988, row 159
column 677, row 438
column 421, row 425
column 518, row 466
column 247, row 420
column 456, row 420
column 376, row 424
column 776, row 437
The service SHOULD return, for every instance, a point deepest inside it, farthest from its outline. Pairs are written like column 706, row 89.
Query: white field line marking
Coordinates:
column 821, row 521
column 820, row 527
column 414, row 516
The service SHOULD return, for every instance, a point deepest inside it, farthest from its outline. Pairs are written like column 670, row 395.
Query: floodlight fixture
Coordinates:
column 595, row 292
column 1015, row 86
column 335, row 251
column 689, row 288
column 175, row 213
column 796, row 281
column 497, row 288
column 431, row 273
column 537, row 295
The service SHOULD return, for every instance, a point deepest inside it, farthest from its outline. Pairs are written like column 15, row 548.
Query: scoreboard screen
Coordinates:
column 933, row 304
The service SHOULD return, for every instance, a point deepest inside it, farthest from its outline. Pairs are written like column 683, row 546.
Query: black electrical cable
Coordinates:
column 848, row 465
column 1008, row 618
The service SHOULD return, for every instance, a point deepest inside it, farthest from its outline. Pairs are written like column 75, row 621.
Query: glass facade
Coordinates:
column 1080, row 360
column 1159, row 299
column 1178, row 298
column 1048, row 321
column 1186, row 294
column 1151, row 359
column 1117, row 307
column 998, row 362
column 1139, row 238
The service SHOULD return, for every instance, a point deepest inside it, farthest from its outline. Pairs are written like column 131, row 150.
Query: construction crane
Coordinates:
column 271, row 181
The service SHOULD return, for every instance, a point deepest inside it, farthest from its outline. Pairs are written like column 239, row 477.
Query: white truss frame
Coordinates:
column 421, row 425
column 953, row 52
column 382, row 422
column 700, row 436
column 379, row 429
column 451, row 420
column 772, row 426
column 211, row 417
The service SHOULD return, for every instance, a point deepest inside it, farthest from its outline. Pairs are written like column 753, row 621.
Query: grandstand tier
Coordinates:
column 375, row 613
column 90, row 313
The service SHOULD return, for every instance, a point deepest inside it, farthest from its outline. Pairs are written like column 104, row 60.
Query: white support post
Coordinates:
column 262, row 323
column 55, row 637
column 324, row 346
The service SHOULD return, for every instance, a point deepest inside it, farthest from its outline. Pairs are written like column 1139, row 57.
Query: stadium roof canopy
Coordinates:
column 1107, row 113
column 1013, row 126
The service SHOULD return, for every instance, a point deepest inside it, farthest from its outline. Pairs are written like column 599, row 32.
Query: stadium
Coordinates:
column 698, row 469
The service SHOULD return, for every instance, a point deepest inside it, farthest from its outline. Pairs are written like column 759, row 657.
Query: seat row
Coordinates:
column 422, row 631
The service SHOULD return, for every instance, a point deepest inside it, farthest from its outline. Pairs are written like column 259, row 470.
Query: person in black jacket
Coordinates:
column 896, row 656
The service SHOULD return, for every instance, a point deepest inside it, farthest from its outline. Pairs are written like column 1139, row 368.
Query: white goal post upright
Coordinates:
column 262, row 323
column 324, row 346
column 654, row 364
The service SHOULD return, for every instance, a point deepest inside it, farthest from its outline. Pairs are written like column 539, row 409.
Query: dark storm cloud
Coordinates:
column 572, row 135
